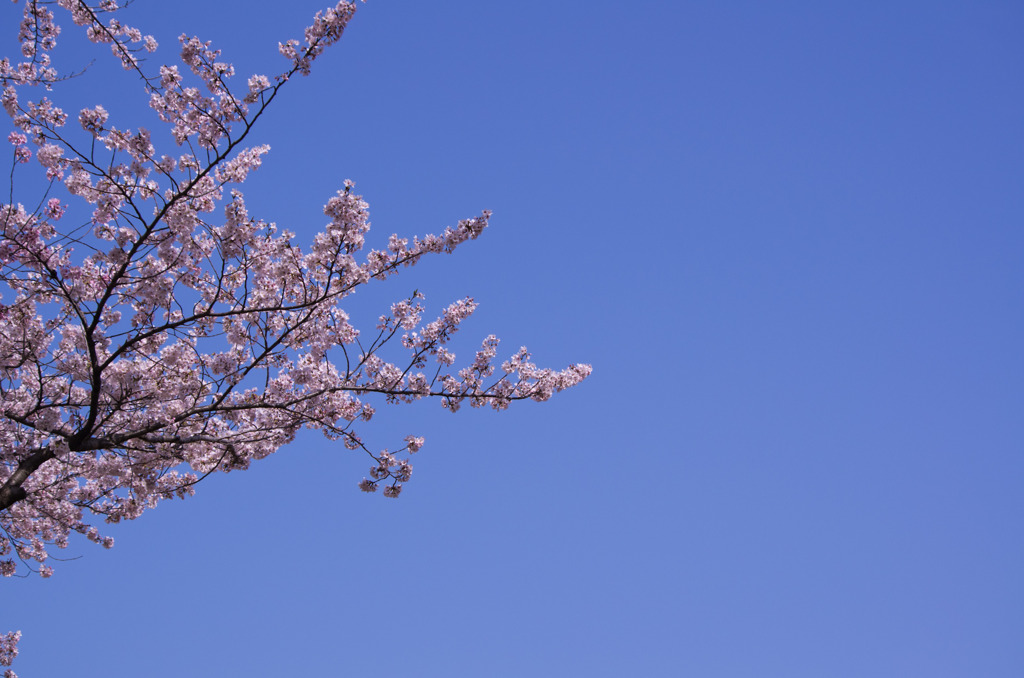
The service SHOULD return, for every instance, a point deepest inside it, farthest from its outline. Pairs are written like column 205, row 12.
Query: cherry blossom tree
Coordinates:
column 153, row 332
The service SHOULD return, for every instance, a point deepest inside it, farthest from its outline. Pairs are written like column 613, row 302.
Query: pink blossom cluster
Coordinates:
column 175, row 334
column 9, row 650
column 21, row 153
column 326, row 30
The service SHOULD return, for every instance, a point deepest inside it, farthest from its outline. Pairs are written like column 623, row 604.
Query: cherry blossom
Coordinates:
column 165, row 333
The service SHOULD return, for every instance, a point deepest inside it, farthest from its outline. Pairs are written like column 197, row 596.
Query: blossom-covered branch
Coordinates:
column 153, row 331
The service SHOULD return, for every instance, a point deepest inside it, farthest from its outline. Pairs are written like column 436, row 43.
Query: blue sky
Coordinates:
column 789, row 238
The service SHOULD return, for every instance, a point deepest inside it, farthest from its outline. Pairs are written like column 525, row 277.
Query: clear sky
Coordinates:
column 789, row 236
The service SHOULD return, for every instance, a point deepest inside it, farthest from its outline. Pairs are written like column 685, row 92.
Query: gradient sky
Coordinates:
column 789, row 236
